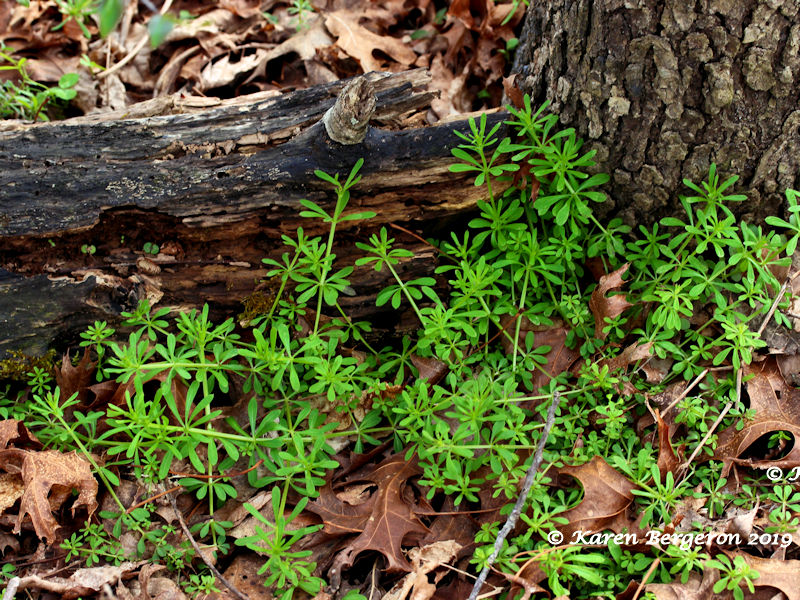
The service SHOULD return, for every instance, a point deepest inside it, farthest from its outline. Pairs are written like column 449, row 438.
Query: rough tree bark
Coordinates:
column 663, row 88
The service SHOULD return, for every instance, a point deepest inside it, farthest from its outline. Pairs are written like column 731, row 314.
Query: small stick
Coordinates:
column 646, row 577
column 202, row 556
column 135, row 50
column 685, row 392
column 774, row 305
column 11, row 588
column 526, row 488
column 716, row 423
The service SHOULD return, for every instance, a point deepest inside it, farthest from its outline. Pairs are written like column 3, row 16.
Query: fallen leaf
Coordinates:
column 696, row 588
column 604, row 306
column 240, row 574
column 783, row 575
column 208, row 24
column 415, row 585
column 75, row 379
column 82, row 582
column 228, row 67
column 606, row 496
column 361, row 43
column 15, row 431
column 631, row 354
column 383, row 522
column 431, row 369
column 777, row 408
column 49, row 478
column 11, row 489
column 667, row 461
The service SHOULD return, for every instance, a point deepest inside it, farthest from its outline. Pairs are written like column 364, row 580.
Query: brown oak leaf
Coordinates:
column 361, row 43
column 13, row 431
column 383, row 522
column 49, row 478
column 606, row 496
column 604, row 306
column 777, row 408
column 75, row 379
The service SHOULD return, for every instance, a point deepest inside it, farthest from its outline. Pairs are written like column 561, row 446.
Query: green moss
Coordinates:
column 256, row 304
column 19, row 364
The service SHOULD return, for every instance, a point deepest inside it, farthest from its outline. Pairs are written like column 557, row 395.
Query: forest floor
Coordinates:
column 289, row 453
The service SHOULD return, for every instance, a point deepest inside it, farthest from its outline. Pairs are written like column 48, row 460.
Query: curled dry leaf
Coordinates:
column 49, row 478
column 415, row 585
column 604, row 306
column 606, row 496
column 75, row 379
column 15, row 431
column 82, row 582
column 360, row 43
column 383, row 522
column 777, row 408
column 668, row 461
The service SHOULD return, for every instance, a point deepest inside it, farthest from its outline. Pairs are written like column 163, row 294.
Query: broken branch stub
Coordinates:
column 348, row 119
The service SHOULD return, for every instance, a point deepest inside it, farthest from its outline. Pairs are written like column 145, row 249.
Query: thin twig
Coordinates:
column 418, row 238
column 135, row 50
column 11, row 588
column 774, row 305
column 152, row 498
column 685, row 392
column 646, row 577
column 202, row 556
column 716, row 423
column 523, row 497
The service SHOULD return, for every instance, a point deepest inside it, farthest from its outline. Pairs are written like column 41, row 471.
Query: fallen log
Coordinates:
column 214, row 188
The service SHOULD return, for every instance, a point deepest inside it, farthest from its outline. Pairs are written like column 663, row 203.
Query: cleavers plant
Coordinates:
column 696, row 287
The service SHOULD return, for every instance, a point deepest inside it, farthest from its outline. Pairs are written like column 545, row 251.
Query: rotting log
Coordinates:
column 216, row 188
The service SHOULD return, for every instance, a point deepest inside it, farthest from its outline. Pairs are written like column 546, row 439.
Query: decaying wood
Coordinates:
column 215, row 189
column 661, row 89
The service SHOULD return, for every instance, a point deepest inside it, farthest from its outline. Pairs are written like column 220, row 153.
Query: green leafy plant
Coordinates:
column 26, row 98
column 312, row 374
column 78, row 11
column 733, row 575
column 93, row 544
column 286, row 568
column 301, row 9
column 200, row 586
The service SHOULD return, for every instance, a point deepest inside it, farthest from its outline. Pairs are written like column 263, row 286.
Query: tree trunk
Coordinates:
column 215, row 190
column 663, row 88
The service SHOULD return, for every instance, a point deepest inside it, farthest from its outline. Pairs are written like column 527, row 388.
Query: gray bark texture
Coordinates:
column 661, row 89
column 215, row 188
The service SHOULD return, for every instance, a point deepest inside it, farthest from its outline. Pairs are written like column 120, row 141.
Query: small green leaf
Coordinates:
column 158, row 28
column 110, row 14
column 68, row 80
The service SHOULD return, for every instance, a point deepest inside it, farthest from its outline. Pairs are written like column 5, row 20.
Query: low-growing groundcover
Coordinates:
column 351, row 467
